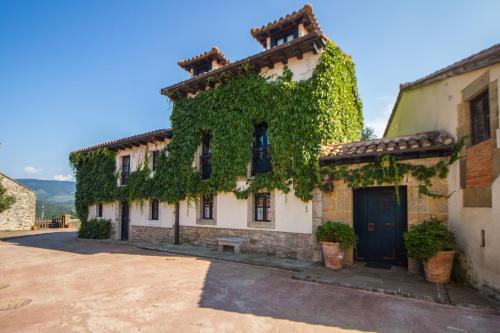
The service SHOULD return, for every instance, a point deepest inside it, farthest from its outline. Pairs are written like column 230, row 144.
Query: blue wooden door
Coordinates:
column 379, row 221
column 125, row 220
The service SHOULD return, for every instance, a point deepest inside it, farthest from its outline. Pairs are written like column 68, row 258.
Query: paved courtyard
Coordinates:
column 54, row 283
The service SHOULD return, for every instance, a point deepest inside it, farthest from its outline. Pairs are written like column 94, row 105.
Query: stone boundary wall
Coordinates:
column 282, row 244
column 21, row 216
column 151, row 234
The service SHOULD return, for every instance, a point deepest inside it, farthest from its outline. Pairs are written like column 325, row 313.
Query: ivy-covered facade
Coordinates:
column 249, row 152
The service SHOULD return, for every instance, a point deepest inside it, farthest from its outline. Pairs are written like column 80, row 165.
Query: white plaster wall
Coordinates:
column 138, row 154
column 302, row 69
column 291, row 214
column 109, row 211
column 434, row 107
column 140, row 214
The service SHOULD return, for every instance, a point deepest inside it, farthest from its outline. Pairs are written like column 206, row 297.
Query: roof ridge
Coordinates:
column 123, row 140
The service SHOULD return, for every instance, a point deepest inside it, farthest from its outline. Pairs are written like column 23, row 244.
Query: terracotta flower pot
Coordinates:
column 333, row 255
column 438, row 268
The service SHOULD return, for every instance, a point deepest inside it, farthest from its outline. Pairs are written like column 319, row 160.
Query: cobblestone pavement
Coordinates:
column 101, row 287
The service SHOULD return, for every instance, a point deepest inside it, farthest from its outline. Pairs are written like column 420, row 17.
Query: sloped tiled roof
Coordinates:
column 480, row 59
column 486, row 57
column 214, row 53
column 414, row 145
column 304, row 15
column 18, row 183
column 311, row 42
column 139, row 139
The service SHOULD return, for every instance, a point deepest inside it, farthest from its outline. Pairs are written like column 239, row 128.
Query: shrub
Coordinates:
column 424, row 240
column 95, row 229
column 337, row 232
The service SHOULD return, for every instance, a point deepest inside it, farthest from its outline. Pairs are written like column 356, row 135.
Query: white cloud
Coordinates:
column 63, row 177
column 380, row 121
column 31, row 170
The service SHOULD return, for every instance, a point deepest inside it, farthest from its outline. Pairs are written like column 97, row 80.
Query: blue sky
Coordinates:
column 77, row 73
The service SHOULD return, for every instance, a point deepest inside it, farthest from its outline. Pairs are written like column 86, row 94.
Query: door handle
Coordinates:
column 389, row 224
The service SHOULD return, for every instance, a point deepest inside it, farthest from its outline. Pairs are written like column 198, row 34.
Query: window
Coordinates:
column 480, row 118
column 263, row 207
column 285, row 37
column 154, row 209
column 202, row 69
column 125, row 169
column 207, row 207
column 156, row 155
column 205, row 158
column 261, row 150
column 99, row 210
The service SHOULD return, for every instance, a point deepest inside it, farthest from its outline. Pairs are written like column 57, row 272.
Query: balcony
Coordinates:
column 205, row 166
column 261, row 160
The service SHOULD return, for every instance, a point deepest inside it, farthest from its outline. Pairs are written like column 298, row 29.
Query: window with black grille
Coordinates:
column 99, row 210
column 207, row 207
column 261, row 150
column 263, row 207
column 155, row 207
column 206, row 156
column 155, row 156
column 125, row 169
column 480, row 118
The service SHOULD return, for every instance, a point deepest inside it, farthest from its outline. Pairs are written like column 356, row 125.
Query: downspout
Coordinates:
column 176, row 237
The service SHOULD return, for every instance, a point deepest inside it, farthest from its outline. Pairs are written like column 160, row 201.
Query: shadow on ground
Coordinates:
column 236, row 288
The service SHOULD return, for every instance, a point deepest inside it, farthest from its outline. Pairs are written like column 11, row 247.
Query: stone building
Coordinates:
column 21, row 215
column 462, row 99
column 429, row 118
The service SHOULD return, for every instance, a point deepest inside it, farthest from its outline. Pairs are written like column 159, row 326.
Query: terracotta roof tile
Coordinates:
column 143, row 138
column 213, row 53
column 428, row 141
column 305, row 14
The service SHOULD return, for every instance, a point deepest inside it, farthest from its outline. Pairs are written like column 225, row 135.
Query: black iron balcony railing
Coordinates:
column 205, row 166
column 261, row 160
column 124, row 177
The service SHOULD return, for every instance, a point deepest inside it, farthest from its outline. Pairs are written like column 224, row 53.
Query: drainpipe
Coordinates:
column 176, row 239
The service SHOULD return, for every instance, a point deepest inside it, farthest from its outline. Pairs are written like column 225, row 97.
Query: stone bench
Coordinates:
column 237, row 243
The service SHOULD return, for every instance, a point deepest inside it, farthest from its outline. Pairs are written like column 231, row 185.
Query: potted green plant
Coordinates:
column 433, row 244
column 335, row 238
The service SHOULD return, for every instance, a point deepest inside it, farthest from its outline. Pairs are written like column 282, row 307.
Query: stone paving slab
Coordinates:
column 397, row 281
column 245, row 258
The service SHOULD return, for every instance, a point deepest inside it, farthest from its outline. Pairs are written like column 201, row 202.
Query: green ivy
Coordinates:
column 6, row 201
column 95, row 179
column 301, row 116
column 389, row 171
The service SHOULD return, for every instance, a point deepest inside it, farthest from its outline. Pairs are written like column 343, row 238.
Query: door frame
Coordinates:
column 401, row 228
column 121, row 219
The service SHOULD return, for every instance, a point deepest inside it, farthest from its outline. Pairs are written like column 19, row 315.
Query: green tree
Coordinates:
column 368, row 133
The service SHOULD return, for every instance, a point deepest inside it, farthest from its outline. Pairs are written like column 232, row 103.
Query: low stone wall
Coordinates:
column 282, row 244
column 151, row 234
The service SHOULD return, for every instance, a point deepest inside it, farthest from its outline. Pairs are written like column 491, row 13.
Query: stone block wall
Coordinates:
column 338, row 204
column 282, row 244
column 151, row 234
column 21, row 216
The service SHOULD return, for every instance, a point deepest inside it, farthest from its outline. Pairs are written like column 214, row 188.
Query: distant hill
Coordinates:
column 57, row 197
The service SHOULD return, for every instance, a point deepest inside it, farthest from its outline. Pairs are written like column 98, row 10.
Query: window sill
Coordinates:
column 261, row 224
column 206, row 222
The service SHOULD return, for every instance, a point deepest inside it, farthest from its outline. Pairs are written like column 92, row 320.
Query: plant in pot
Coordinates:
column 433, row 244
column 335, row 238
